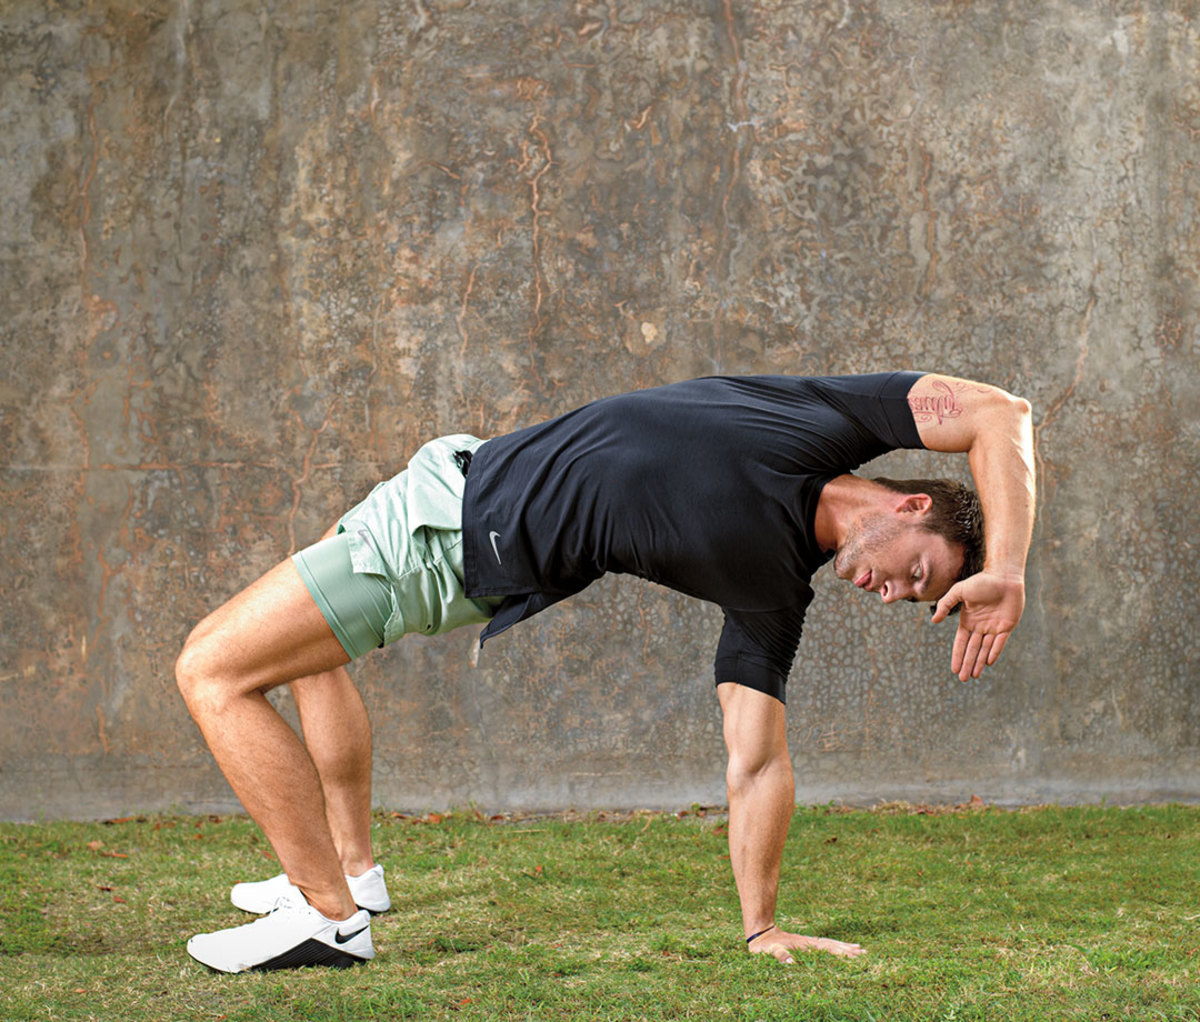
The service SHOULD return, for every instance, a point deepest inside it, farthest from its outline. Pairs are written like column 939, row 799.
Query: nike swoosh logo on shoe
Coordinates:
column 343, row 938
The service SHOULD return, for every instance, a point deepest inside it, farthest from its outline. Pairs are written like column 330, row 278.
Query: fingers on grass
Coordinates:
column 844, row 950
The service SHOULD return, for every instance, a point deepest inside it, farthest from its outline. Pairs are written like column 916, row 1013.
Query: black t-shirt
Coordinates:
column 708, row 487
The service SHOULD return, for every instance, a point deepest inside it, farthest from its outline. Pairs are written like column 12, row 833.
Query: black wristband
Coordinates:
column 754, row 936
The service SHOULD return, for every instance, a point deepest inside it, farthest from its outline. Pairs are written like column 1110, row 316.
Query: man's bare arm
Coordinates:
column 762, row 798
column 995, row 430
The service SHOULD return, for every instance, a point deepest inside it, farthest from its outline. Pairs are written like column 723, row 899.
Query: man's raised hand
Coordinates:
column 991, row 607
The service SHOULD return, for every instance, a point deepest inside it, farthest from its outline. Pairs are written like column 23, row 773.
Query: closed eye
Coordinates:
column 920, row 583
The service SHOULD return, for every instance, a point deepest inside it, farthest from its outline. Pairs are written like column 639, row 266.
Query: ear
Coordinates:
column 914, row 503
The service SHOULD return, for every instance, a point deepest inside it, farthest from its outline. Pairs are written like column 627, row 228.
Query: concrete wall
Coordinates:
column 255, row 252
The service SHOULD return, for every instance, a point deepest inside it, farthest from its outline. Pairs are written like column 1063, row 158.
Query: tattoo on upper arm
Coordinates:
column 940, row 406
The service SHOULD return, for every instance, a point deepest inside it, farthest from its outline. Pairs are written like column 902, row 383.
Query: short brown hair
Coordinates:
column 956, row 516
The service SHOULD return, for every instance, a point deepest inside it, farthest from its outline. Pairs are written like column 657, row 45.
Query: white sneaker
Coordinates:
column 368, row 891
column 293, row 935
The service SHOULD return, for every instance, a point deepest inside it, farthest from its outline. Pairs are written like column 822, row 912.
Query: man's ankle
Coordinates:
column 357, row 866
column 333, row 907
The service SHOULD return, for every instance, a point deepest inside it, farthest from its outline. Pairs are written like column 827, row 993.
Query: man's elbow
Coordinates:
column 1007, row 414
column 1022, row 412
column 1004, row 403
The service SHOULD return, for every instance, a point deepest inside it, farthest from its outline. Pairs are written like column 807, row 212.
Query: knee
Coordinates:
column 194, row 672
column 745, row 772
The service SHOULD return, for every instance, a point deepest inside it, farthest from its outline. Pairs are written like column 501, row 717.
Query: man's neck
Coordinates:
column 842, row 499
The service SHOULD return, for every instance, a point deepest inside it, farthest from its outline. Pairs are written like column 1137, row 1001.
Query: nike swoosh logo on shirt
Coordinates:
column 342, row 938
column 493, row 536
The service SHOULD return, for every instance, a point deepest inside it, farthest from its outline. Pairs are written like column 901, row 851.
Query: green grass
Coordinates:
column 1084, row 913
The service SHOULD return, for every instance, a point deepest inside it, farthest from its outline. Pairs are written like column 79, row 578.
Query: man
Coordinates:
column 733, row 490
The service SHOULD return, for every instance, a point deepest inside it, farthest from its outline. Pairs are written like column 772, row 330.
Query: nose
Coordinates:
column 889, row 592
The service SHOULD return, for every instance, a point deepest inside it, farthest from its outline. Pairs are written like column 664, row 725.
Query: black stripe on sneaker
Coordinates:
column 310, row 952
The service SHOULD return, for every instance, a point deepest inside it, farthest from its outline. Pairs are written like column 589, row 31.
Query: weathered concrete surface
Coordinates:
column 254, row 253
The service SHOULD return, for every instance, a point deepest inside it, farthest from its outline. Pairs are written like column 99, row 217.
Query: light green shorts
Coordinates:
column 395, row 565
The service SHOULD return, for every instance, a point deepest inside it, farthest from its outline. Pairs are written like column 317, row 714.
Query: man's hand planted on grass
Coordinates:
column 781, row 944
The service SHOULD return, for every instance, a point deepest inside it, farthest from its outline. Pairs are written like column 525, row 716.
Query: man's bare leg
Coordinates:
column 337, row 734
column 270, row 634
